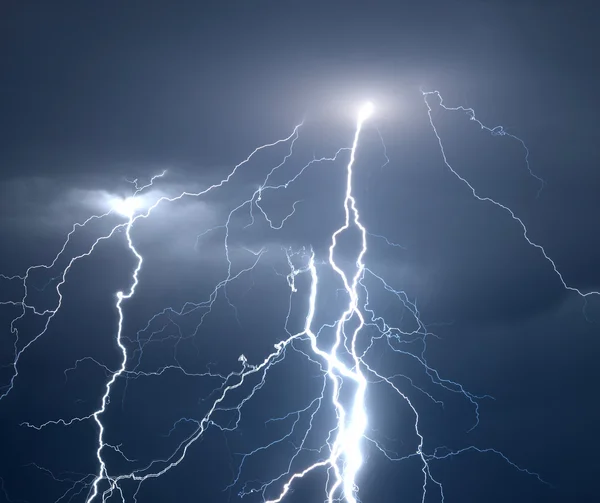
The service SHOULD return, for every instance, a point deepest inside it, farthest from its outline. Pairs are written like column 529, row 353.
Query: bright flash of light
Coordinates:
column 127, row 206
column 365, row 112
column 345, row 361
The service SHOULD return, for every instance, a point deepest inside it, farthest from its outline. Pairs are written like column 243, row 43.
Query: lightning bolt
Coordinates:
column 497, row 131
column 341, row 350
column 346, row 457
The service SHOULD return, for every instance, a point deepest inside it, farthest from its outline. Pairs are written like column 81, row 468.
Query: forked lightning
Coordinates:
column 339, row 350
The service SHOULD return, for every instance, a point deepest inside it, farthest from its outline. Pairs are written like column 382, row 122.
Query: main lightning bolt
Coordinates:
column 343, row 361
column 346, row 455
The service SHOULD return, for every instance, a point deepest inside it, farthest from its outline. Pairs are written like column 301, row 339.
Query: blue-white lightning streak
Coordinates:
column 343, row 363
column 105, row 398
column 346, row 456
column 498, row 130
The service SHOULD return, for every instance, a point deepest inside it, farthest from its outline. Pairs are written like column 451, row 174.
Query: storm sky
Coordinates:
column 96, row 94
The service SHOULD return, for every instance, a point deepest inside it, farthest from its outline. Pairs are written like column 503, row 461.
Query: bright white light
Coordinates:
column 126, row 207
column 366, row 111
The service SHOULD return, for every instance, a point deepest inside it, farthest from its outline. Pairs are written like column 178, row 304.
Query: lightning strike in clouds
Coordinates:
column 497, row 131
column 343, row 363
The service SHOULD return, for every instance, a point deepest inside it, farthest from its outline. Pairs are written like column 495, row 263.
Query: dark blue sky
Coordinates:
column 95, row 94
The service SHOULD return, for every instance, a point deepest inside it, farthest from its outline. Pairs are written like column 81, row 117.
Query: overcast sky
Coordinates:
column 97, row 94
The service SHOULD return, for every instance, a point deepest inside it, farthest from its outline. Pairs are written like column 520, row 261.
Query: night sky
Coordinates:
column 95, row 95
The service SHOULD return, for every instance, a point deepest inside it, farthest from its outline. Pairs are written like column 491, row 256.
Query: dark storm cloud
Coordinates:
column 148, row 94
column 462, row 258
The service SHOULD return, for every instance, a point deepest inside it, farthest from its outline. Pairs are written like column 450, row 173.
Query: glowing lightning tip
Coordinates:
column 366, row 111
column 126, row 207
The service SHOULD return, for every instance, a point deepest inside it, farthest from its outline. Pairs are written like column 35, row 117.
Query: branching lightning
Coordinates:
column 497, row 131
column 341, row 350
